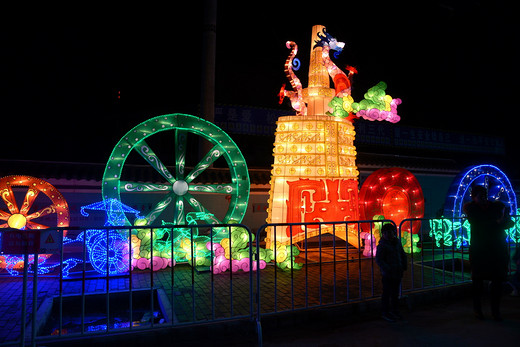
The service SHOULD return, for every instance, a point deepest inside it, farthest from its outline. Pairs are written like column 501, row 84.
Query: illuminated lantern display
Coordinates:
column 218, row 252
column 372, row 237
column 451, row 229
column 232, row 253
column 295, row 96
column 24, row 217
column 224, row 250
column 115, row 245
column 178, row 186
column 395, row 194
column 176, row 190
column 314, row 176
column 496, row 182
column 108, row 250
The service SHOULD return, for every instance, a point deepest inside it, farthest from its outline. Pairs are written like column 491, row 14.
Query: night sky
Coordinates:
column 453, row 64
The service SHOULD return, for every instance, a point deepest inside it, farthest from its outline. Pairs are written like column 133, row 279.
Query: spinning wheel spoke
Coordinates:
column 180, row 150
column 4, row 215
column 28, row 201
column 10, row 201
column 43, row 212
column 210, row 219
column 208, row 159
column 146, row 152
column 143, row 187
column 159, row 207
column 99, row 247
column 213, row 188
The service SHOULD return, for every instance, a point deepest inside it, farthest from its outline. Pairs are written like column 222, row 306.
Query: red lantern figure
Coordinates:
column 394, row 193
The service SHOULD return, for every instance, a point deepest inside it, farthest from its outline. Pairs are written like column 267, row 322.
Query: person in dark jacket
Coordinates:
column 515, row 279
column 488, row 253
column 392, row 261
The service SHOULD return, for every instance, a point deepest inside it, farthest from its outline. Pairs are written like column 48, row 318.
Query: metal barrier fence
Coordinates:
column 77, row 292
column 335, row 272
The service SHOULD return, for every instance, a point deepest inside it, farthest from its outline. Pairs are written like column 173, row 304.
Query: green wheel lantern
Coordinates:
column 179, row 183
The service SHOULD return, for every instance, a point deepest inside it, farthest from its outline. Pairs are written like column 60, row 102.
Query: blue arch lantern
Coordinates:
column 499, row 189
column 498, row 186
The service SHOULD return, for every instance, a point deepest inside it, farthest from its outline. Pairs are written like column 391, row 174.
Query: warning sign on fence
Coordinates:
column 50, row 241
column 30, row 241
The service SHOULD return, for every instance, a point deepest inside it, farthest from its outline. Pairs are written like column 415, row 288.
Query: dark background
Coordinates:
column 75, row 79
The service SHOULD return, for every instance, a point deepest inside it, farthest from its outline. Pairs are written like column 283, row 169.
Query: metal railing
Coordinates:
column 332, row 271
column 335, row 272
column 118, row 293
column 302, row 266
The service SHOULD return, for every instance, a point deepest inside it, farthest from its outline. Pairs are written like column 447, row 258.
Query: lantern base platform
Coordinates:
column 350, row 235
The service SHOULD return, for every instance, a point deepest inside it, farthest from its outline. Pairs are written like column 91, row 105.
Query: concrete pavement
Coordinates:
column 443, row 322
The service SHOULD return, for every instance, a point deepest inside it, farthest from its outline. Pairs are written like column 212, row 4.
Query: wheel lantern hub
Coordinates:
column 180, row 187
column 17, row 221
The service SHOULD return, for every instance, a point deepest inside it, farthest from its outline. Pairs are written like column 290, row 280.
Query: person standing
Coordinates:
column 488, row 253
column 392, row 261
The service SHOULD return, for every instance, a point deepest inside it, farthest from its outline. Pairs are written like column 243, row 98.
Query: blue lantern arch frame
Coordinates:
column 499, row 189
column 498, row 186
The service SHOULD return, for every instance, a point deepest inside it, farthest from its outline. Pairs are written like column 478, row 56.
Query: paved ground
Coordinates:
column 448, row 322
column 198, row 297
column 440, row 318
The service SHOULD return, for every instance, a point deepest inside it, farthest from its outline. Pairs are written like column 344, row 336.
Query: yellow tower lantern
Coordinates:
column 314, row 176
